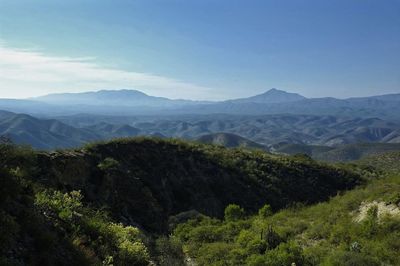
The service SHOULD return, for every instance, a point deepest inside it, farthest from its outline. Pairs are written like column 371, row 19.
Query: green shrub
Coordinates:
column 92, row 231
column 108, row 164
column 233, row 212
column 265, row 211
column 169, row 251
column 348, row 258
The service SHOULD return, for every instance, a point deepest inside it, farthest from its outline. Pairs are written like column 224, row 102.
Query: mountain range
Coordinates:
column 125, row 97
column 133, row 102
column 321, row 137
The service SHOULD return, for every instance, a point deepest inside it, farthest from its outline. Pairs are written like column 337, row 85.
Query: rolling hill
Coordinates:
column 269, row 131
column 42, row 133
column 228, row 140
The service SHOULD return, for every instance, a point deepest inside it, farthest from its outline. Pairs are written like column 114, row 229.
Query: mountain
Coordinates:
column 42, row 133
column 136, row 103
column 271, row 96
column 265, row 132
column 385, row 107
column 269, row 130
column 228, row 140
column 109, row 131
column 124, row 98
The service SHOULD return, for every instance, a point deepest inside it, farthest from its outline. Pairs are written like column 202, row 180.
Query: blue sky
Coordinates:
column 205, row 49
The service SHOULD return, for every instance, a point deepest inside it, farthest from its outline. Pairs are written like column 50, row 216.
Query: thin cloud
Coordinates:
column 26, row 73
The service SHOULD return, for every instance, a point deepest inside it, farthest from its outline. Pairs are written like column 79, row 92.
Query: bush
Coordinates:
column 92, row 231
column 348, row 258
column 169, row 251
column 265, row 211
column 108, row 164
column 233, row 212
column 285, row 254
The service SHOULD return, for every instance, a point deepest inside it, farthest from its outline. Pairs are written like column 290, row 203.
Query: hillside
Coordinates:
column 43, row 133
column 386, row 162
column 359, row 227
column 342, row 153
column 77, row 198
column 205, row 178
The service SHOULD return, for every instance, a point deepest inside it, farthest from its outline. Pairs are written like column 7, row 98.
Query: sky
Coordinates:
column 200, row 49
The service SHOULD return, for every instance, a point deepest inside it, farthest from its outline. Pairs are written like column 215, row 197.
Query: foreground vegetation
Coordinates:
column 41, row 226
column 360, row 227
column 122, row 203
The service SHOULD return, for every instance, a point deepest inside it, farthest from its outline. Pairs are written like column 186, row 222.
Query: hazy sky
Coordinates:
column 200, row 49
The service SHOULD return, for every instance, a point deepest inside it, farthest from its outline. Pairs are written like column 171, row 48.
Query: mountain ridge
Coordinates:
column 254, row 131
column 133, row 102
column 124, row 97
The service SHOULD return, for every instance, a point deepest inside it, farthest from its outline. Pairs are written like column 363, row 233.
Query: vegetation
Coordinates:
column 148, row 180
column 360, row 227
column 340, row 153
column 206, row 204
column 47, row 227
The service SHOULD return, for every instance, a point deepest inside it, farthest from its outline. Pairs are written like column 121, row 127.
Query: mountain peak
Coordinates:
column 121, row 92
column 275, row 91
column 273, row 96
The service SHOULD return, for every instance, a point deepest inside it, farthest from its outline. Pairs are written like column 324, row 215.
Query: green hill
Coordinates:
column 358, row 151
column 359, row 227
column 386, row 162
column 106, row 203
column 342, row 153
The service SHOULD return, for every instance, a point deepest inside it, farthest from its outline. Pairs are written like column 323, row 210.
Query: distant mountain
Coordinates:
column 229, row 140
column 42, row 133
column 269, row 130
column 126, row 98
column 271, row 96
column 228, row 130
column 48, row 134
column 384, row 106
column 136, row 103
column 109, row 131
column 343, row 153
